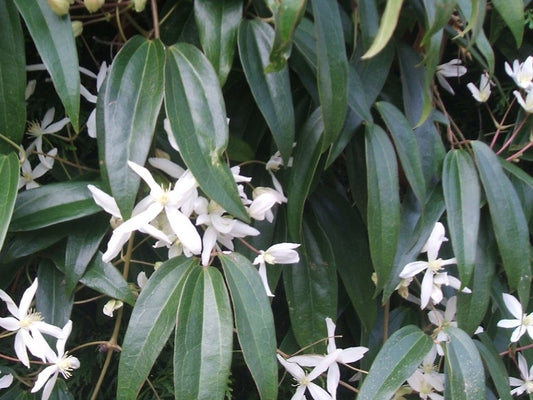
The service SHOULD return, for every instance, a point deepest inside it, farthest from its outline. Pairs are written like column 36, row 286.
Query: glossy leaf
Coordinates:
column 399, row 357
column 218, row 22
column 306, row 157
column 52, row 300
column 54, row 40
column 387, row 24
column 129, row 116
column 512, row 12
column 272, row 90
column 332, row 67
column 12, row 78
column 197, row 114
column 383, row 209
column 495, row 367
column 462, row 194
column 311, row 286
column 204, row 337
column 254, row 322
column 9, row 177
column 508, row 220
column 474, row 12
column 52, row 204
column 465, row 379
column 151, row 324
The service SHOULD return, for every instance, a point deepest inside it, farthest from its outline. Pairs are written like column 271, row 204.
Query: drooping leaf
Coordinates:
column 12, row 78
column 254, row 322
column 151, row 323
column 204, row 337
column 512, row 13
column 51, row 204
column 9, row 177
column 383, row 209
column 54, row 40
column 197, row 115
column 462, row 194
column 473, row 12
column 508, row 220
column 272, row 90
column 217, row 22
column 388, row 23
column 52, row 300
column 396, row 361
column 129, row 116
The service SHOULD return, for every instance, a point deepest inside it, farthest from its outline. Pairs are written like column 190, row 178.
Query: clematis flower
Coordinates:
column 264, row 198
column 91, row 98
column 452, row 68
column 522, row 73
column 527, row 103
column 526, row 383
column 281, row 253
column 523, row 321
column 426, row 379
column 61, row 363
column 6, row 381
column 28, row 175
column 483, row 93
column 28, row 325
column 111, row 306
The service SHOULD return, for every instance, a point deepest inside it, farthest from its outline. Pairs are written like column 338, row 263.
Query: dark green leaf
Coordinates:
column 204, row 337
column 512, row 12
column 9, row 177
column 129, row 116
column 254, row 322
column 357, row 96
column 197, row 114
column 151, row 323
column 54, row 40
column 494, row 364
column 388, row 23
column 52, row 300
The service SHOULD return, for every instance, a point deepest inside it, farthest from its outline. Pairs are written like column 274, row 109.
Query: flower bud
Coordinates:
column 93, row 5
column 77, row 28
column 139, row 5
column 60, row 7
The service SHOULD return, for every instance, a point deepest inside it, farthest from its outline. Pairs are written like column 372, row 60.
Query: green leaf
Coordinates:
column 396, row 361
column 197, row 114
column 306, row 157
column 204, row 337
column 510, row 227
column 357, row 96
column 383, row 209
column 129, row 116
column 218, row 22
column 346, row 234
column 52, row 300
column 406, row 147
column 9, row 177
column 512, row 12
column 332, row 68
column 311, row 286
column 55, row 43
column 151, row 323
column 388, row 23
column 254, row 322
column 12, row 78
column 494, row 364
column 51, row 204
column 462, row 194
column 465, row 379
column 272, row 91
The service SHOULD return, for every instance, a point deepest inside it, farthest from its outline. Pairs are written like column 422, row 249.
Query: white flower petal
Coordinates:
column 26, row 300
column 264, row 279
column 513, row 305
column 6, row 381
column 413, row 268
column 184, row 230
column 105, row 201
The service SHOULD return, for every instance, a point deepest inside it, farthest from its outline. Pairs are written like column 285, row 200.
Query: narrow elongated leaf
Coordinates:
column 388, row 23
column 495, row 367
column 204, row 337
column 217, row 22
column 129, row 116
column 272, row 91
column 508, row 220
column 54, row 40
column 151, row 323
column 9, row 177
column 52, row 300
column 311, row 286
column 396, row 361
column 512, row 12
column 383, row 209
column 305, row 163
column 465, row 379
column 254, row 322
column 51, row 204
column 332, row 71
column 197, row 114
column 462, row 194
column 406, row 147
column 12, row 77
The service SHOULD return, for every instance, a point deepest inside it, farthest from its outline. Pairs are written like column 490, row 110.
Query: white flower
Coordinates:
column 111, row 306
column 61, row 363
column 6, row 381
column 526, row 104
column 30, row 88
column 45, row 127
column 426, row 379
column 28, row 175
column 281, row 253
column 264, row 199
column 452, row 68
column 526, row 383
column 523, row 321
column 142, row 279
column 91, row 121
column 28, row 324
column 168, row 167
column 170, row 135
column 522, row 73
column 483, row 93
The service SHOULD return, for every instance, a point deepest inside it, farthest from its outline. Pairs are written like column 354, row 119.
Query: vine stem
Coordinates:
column 155, row 17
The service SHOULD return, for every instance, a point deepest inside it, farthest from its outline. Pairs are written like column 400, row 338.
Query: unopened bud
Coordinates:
column 77, row 28
column 60, row 7
column 93, row 5
column 139, row 5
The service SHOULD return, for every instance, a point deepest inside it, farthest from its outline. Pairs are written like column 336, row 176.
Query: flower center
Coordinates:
column 269, row 258
column 164, row 199
column 435, row 265
column 29, row 319
column 35, row 129
column 529, row 386
column 528, row 320
column 67, row 364
column 304, row 381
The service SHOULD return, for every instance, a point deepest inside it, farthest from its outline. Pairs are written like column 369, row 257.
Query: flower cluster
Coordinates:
column 522, row 74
